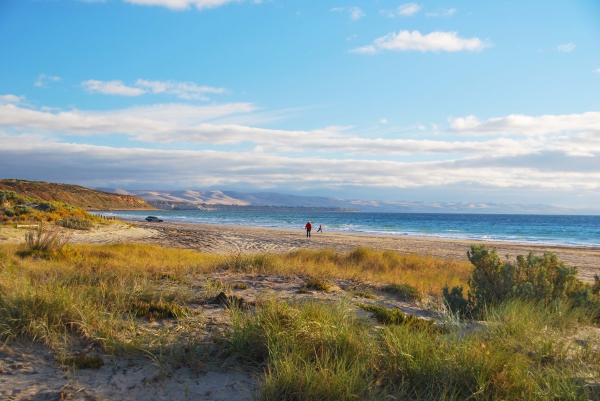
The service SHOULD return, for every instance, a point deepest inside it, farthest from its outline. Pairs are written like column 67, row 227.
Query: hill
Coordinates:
column 180, row 198
column 85, row 198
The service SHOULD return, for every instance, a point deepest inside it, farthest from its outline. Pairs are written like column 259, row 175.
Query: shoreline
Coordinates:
column 225, row 239
column 539, row 244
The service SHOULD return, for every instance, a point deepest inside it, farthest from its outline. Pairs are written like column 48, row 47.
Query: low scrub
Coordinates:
column 82, row 361
column 404, row 291
column 315, row 283
column 542, row 279
column 44, row 241
column 158, row 310
column 396, row 316
column 318, row 351
column 76, row 223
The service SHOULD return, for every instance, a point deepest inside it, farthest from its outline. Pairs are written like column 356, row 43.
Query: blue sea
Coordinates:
column 531, row 229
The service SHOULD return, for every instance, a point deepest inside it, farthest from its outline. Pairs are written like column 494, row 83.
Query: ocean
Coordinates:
column 531, row 229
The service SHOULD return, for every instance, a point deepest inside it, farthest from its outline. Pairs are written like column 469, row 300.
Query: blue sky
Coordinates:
column 436, row 101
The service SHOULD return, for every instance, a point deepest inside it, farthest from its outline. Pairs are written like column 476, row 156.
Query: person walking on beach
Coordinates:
column 308, row 228
column 320, row 230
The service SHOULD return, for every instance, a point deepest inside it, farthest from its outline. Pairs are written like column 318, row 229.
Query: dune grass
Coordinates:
column 317, row 351
column 89, row 289
column 109, row 294
column 425, row 273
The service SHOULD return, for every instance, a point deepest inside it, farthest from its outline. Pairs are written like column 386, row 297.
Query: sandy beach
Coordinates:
column 233, row 239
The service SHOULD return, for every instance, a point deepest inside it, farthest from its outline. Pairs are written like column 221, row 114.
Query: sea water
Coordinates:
column 540, row 229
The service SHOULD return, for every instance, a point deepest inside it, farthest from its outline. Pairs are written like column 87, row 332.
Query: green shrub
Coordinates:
column 396, row 316
column 543, row 279
column 76, row 223
column 22, row 210
column 47, row 207
column 9, row 212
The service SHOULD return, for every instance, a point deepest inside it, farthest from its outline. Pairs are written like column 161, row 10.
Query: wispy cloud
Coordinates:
column 111, row 88
column 404, row 10
column 183, row 90
column 183, row 4
column 173, row 123
column 43, row 80
column 355, row 12
column 518, row 124
column 442, row 12
column 433, row 42
column 566, row 48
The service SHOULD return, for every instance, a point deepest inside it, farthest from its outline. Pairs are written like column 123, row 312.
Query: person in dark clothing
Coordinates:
column 320, row 230
column 308, row 228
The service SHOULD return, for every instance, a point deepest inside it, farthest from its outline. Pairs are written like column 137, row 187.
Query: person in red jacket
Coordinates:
column 320, row 230
column 308, row 228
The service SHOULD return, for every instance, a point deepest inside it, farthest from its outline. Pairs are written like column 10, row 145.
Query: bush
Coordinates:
column 76, row 223
column 9, row 212
column 47, row 207
column 541, row 279
column 42, row 241
column 22, row 210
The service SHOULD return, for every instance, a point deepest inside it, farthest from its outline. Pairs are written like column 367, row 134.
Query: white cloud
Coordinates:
column 567, row 48
column 43, row 80
column 111, row 88
column 355, row 12
column 405, row 10
column 442, row 12
column 183, row 90
column 408, row 9
column 433, row 42
column 190, row 124
column 11, row 99
column 518, row 124
column 597, row 70
column 183, row 4
column 564, row 159
column 383, row 121
column 51, row 160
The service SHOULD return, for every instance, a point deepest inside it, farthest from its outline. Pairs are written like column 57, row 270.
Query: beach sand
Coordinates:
column 232, row 239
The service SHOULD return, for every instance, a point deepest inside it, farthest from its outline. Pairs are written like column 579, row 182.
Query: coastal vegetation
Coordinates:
column 339, row 348
column 15, row 208
column 74, row 195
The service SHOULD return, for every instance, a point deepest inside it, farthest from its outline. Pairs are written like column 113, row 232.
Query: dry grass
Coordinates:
column 425, row 273
column 313, row 350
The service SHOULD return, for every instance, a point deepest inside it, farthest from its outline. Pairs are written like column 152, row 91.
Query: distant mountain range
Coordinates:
column 188, row 198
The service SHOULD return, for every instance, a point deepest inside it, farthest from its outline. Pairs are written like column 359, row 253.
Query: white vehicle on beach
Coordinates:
column 154, row 219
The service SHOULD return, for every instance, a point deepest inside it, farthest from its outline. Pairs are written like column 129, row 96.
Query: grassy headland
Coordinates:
column 74, row 195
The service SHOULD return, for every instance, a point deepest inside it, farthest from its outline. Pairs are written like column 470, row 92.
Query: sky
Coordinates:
column 445, row 101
